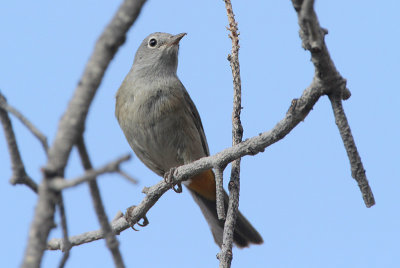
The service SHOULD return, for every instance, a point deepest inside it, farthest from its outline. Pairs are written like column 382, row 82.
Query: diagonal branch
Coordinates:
column 328, row 77
column 58, row 184
column 72, row 123
column 117, row 226
column 357, row 168
column 298, row 110
column 127, row 176
column 35, row 131
column 19, row 175
column 111, row 241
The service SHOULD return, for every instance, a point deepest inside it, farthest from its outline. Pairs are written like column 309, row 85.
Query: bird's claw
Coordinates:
column 144, row 223
column 128, row 217
column 177, row 188
column 169, row 179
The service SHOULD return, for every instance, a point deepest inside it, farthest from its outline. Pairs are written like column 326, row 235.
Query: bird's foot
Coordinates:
column 129, row 217
column 169, row 179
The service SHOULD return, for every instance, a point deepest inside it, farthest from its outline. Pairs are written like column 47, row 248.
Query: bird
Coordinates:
column 163, row 127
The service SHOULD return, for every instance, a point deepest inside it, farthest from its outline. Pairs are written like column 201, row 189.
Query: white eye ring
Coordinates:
column 152, row 42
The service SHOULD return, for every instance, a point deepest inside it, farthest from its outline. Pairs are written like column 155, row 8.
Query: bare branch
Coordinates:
column 219, row 182
column 357, row 168
column 225, row 255
column 313, row 31
column 71, row 125
column 127, row 176
column 66, row 243
column 45, row 209
column 117, row 226
column 59, row 184
column 65, row 257
column 118, row 215
column 111, row 241
column 19, row 174
column 327, row 76
column 35, row 131
column 138, row 212
column 72, row 122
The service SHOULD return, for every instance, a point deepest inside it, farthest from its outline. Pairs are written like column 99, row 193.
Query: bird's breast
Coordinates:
column 151, row 107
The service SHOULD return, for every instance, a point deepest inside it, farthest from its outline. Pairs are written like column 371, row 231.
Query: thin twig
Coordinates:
column 117, row 216
column 127, row 176
column 72, row 124
column 225, row 255
column 219, row 181
column 357, row 168
column 327, row 76
column 59, row 184
column 35, row 131
column 117, row 226
column 64, row 226
column 19, row 175
column 111, row 241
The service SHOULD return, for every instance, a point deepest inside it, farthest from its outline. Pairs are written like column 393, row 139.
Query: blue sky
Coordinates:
column 298, row 193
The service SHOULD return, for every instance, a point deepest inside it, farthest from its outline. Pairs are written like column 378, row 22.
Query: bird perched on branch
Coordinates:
column 164, row 129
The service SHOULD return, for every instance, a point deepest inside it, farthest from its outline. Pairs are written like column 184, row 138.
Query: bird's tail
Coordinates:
column 202, row 188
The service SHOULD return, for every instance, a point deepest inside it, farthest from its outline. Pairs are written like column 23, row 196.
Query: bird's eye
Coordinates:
column 152, row 42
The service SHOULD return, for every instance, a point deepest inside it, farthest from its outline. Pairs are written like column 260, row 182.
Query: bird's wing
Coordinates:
column 196, row 119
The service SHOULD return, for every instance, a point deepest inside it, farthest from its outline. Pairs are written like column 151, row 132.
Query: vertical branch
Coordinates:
column 111, row 241
column 72, row 124
column 66, row 242
column 219, row 184
column 42, row 223
column 225, row 256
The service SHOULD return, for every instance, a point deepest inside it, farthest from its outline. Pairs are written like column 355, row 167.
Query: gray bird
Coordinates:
column 164, row 129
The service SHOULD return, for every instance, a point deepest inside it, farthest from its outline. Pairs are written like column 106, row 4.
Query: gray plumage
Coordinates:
column 162, row 124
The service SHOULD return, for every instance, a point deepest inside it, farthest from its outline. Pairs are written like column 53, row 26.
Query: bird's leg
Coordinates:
column 169, row 179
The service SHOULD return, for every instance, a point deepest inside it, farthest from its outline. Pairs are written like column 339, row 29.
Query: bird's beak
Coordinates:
column 175, row 39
